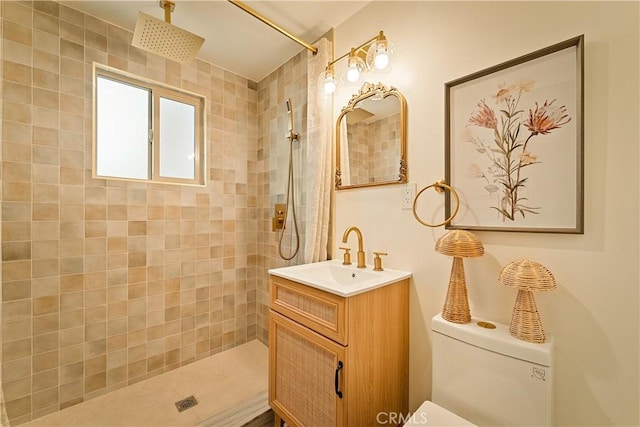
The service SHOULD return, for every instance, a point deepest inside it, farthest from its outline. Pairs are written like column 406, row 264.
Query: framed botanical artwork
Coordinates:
column 514, row 143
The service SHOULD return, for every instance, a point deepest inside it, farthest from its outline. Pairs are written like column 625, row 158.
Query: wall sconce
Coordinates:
column 373, row 55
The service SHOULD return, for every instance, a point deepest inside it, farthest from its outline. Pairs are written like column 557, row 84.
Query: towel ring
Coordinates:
column 439, row 186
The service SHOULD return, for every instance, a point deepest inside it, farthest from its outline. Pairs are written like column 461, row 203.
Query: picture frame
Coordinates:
column 514, row 143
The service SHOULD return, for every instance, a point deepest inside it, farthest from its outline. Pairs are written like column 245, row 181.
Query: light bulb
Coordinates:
column 353, row 74
column 329, row 84
column 381, row 60
column 355, row 67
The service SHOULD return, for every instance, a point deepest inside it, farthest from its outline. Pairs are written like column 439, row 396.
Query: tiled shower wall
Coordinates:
column 288, row 81
column 106, row 283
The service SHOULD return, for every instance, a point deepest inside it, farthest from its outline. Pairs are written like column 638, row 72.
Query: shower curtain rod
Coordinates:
column 276, row 27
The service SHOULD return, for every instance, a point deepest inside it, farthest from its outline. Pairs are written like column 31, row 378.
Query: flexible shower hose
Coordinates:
column 290, row 191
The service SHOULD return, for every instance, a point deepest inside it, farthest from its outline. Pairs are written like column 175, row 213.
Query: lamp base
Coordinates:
column 526, row 324
column 456, row 305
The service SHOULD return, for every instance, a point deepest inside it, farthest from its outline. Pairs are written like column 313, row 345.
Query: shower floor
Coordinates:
column 230, row 387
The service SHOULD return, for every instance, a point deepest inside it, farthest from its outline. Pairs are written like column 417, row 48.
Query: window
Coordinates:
column 146, row 131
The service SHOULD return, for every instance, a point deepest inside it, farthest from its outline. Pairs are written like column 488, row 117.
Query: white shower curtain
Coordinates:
column 318, row 162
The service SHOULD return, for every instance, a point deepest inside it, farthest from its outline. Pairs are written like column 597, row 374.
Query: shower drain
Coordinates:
column 184, row 404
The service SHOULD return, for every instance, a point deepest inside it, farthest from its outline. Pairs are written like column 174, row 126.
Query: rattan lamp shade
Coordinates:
column 458, row 244
column 527, row 276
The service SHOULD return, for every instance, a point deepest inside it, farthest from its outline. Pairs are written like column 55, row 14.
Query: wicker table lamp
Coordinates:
column 527, row 276
column 458, row 244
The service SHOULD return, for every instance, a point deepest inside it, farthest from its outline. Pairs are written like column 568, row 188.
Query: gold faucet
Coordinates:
column 361, row 263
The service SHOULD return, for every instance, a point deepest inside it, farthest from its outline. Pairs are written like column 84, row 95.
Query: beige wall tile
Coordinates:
column 16, row 270
column 72, row 32
column 16, row 152
column 71, row 372
column 45, row 398
column 46, row 342
column 15, row 72
column 43, row 135
column 46, row 323
column 71, row 390
column 45, row 230
column 69, row 49
column 45, row 305
column 71, row 16
column 14, row 251
column 16, row 329
column 16, row 389
column 72, row 282
column 18, row 407
column 15, row 369
column 17, row 12
column 44, row 380
column 45, row 286
column 17, row 349
column 46, row 211
column 17, row 52
column 47, row 7
column 17, row 92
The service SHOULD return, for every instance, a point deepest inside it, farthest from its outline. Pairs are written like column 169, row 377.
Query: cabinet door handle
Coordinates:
column 337, row 381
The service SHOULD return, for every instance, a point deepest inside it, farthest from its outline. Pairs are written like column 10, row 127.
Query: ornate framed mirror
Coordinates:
column 371, row 142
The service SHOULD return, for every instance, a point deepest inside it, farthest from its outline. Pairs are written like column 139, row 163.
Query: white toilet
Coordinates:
column 484, row 376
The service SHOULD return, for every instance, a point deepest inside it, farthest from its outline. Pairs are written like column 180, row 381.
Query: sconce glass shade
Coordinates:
column 329, row 81
column 380, row 54
column 355, row 67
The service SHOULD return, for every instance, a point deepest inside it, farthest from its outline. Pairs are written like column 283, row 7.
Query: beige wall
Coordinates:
column 593, row 315
column 106, row 283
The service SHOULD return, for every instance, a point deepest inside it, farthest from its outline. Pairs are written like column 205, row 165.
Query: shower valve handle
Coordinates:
column 291, row 134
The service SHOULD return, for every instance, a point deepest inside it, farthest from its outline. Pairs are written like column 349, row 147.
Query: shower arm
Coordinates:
column 168, row 7
column 276, row 27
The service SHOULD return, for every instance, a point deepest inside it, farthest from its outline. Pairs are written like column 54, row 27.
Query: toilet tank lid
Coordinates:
column 498, row 340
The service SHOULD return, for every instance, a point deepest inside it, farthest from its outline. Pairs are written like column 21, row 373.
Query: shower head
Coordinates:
column 163, row 38
column 290, row 112
column 291, row 135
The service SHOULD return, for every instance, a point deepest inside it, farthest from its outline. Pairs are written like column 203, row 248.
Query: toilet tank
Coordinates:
column 489, row 377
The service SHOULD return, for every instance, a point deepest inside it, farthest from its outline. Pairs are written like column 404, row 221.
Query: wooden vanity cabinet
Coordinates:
column 338, row 361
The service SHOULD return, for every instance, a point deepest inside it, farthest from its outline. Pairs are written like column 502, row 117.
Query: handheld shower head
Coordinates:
column 291, row 135
column 290, row 112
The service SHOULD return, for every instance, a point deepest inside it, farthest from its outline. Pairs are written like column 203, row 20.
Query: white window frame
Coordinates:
column 157, row 90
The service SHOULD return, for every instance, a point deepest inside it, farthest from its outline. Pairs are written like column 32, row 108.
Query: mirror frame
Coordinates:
column 369, row 90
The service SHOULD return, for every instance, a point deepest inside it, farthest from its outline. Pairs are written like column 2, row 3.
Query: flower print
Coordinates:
column 506, row 149
column 547, row 117
column 485, row 118
column 504, row 92
column 525, row 85
column 527, row 158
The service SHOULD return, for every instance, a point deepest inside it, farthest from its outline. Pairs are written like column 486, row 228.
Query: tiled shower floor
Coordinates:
column 220, row 383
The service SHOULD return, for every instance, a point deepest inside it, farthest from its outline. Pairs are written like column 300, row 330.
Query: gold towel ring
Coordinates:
column 439, row 186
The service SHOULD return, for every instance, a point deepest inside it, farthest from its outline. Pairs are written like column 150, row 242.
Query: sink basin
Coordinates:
column 344, row 280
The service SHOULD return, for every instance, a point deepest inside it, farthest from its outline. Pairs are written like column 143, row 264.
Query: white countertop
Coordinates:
column 343, row 280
